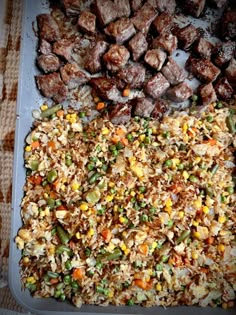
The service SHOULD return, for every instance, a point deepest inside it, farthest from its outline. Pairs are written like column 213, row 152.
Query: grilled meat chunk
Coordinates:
column 173, row 72
column 120, row 30
column 116, row 57
column 164, row 5
column 203, row 69
column 230, row 72
column 163, row 22
column 179, row 93
column 72, row 76
column 48, row 28
column 155, row 58
column 166, row 41
column 122, row 8
column 144, row 17
column 121, row 113
column 194, row 7
column 223, row 89
column 94, row 56
column 138, row 46
column 71, row 7
column 64, row 48
column 48, row 63
column 223, row 52
column 187, row 36
column 105, row 11
column 143, row 106
column 207, row 94
column 87, row 22
column 203, row 48
column 105, row 88
column 45, row 47
column 228, row 24
column 156, row 86
column 132, row 76
column 161, row 106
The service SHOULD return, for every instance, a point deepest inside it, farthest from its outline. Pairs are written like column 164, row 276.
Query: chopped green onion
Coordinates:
column 50, row 111
column 62, row 234
column 185, row 234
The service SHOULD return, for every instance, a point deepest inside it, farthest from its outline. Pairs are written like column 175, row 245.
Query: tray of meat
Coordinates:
column 124, row 184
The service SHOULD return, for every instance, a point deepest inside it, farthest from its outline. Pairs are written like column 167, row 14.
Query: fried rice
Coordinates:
column 142, row 213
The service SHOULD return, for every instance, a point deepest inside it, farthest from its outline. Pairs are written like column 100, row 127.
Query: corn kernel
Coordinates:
column 221, row 248
column 198, row 159
column 123, row 246
column 168, row 209
column 195, row 223
column 47, row 212
column 42, row 214
column 111, row 184
column 78, row 235
column 110, row 247
column 185, row 128
column 175, row 162
column 154, row 130
column 124, row 233
column 194, row 255
column 26, row 260
column 43, row 107
column 205, row 209
column 142, row 137
column 140, row 196
column 105, row 131
column 74, row 186
column 185, row 174
column 221, row 219
column 109, row 198
column 127, row 251
column 96, row 99
column 30, row 280
column 196, row 235
column 91, row 232
column 24, row 234
column 51, row 250
column 115, row 208
column 147, row 278
column 84, row 207
column 110, row 293
column 158, row 287
column 185, row 138
column 19, row 242
column 68, row 117
column 28, row 148
column 132, row 193
column 154, row 245
column 168, row 202
column 197, row 203
column 181, row 214
column 122, row 219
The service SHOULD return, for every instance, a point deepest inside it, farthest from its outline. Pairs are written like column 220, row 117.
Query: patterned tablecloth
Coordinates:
column 10, row 31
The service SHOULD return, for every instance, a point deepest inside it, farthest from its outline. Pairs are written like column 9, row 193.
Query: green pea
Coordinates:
column 142, row 204
column 144, row 218
column 119, row 145
column 88, row 252
column 230, row 190
column 168, row 163
column 193, row 179
column 74, row 285
column 99, row 265
column 194, row 97
column 31, row 286
column 51, row 203
column 159, row 267
column 149, row 131
column 210, row 118
column 94, row 159
column 104, row 167
column 164, row 258
column 68, row 265
column 90, row 273
column 142, row 189
column 52, row 275
column 112, row 147
column 90, row 166
column 57, row 293
column 170, row 224
column 219, row 105
column 94, row 178
column 52, row 176
column 138, row 264
column 181, row 166
column 82, row 114
column 98, row 148
column 44, row 183
column 130, row 302
column 115, row 153
column 59, row 286
column 34, row 165
column 222, row 199
column 101, row 211
column 130, row 137
column 62, row 297
column 166, row 134
column 68, row 162
column 58, row 203
column 67, row 279
column 152, row 210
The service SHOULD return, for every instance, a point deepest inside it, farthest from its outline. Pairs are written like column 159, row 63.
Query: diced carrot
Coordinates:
column 100, row 105
column 35, row 144
column 54, row 281
column 52, row 145
column 60, row 113
column 115, row 139
column 61, row 207
column 53, row 195
column 106, row 234
column 142, row 284
column 210, row 240
column 210, row 141
column 176, row 188
column 126, row 92
column 120, row 132
column 204, row 270
column 186, row 261
column 177, row 260
column 38, row 180
column 143, row 249
column 124, row 141
column 78, row 274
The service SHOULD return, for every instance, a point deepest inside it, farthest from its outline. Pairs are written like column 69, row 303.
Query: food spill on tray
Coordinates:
column 137, row 206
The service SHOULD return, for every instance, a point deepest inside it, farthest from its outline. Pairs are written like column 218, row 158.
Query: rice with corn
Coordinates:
column 137, row 214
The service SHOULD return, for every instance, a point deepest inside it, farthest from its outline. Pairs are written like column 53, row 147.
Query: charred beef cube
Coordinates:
column 228, row 24
column 203, row 48
column 161, row 106
column 105, row 88
column 194, row 7
column 143, row 107
column 135, row 4
column 173, row 72
column 72, row 76
column 48, row 28
column 187, row 36
column 48, row 63
column 64, row 48
column 138, row 46
column 120, row 30
column 156, row 86
column 71, row 7
column 87, row 22
column 223, row 52
column 51, row 85
column 45, row 47
column 223, row 89
column 116, row 57
column 207, row 94
column 166, row 41
column 163, row 5
column 132, row 76
column 95, row 53
column 179, row 93
column 122, row 8
column 144, row 17
column 230, row 72
column 155, row 58
column 106, row 11
column 203, row 69
column 120, row 114
column 163, row 22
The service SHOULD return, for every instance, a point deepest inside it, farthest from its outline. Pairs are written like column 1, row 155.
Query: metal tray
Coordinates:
column 28, row 99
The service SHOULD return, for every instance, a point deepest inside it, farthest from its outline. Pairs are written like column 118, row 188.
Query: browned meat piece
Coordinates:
column 228, row 24
column 179, row 93
column 51, row 85
column 203, row 48
column 155, row 58
column 64, row 48
column 71, row 7
column 120, row 30
column 173, row 72
column 166, row 41
column 105, row 88
column 120, row 114
column 122, row 8
column 45, row 47
column 72, row 76
column 132, row 76
column 156, row 86
column 48, row 63
column 223, row 89
column 138, row 46
column 160, row 108
column 207, row 94
column 194, row 7
column 143, row 18
column 116, row 57
column 87, row 22
column 187, row 36
column 203, row 69
column 143, row 106
column 163, row 22
column 164, row 5
column 223, row 52
column 105, row 11
column 219, row 3
column 135, row 4
column 230, row 72
column 48, row 28
column 95, row 53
